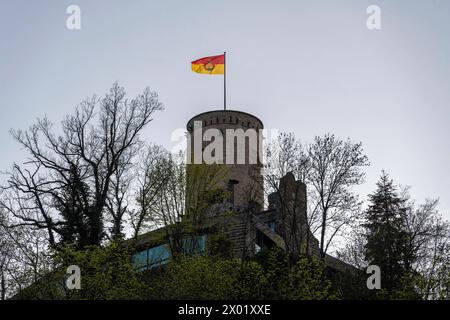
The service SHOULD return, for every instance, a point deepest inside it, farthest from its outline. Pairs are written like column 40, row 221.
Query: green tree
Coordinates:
column 307, row 281
column 251, row 282
column 195, row 278
column 387, row 241
column 106, row 272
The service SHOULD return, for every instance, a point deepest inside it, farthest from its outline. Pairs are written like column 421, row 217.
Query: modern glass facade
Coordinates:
column 158, row 256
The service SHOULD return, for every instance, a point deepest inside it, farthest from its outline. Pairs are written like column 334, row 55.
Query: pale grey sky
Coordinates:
column 309, row 67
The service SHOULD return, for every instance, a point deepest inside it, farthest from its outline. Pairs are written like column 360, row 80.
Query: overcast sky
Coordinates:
column 309, row 67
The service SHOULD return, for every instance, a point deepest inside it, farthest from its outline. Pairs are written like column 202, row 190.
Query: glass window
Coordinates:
column 271, row 225
column 194, row 245
column 140, row 260
column 160, row 255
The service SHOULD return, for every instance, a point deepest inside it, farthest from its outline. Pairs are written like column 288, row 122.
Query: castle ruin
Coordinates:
column 251, row 227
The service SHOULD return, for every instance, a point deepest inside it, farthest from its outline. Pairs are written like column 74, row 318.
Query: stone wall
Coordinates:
column 247, row 177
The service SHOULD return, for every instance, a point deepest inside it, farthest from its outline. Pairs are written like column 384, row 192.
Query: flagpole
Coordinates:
column 224, row 82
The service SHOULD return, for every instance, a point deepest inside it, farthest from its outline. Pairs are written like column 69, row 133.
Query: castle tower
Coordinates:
column 241, row 139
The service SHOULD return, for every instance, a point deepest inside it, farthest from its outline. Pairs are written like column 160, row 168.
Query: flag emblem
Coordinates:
column 209, row 65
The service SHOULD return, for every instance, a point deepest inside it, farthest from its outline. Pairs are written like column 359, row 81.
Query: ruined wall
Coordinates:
column 291, row 221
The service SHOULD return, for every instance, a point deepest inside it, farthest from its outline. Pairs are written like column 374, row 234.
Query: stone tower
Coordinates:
column 240, row 135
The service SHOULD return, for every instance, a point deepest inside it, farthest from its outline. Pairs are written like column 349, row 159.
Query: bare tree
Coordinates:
column 151, row 175
column 430, row 243
column 330, row 167
column 283, row 156
column 175, row 196
column 65, row 185
column 353, row 251
column 5, row 257
column 336, row 166
column 118, row 201
column 23, row 257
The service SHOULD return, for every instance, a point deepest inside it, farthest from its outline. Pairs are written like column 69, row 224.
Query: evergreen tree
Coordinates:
column 77, row 224
column 387, row 239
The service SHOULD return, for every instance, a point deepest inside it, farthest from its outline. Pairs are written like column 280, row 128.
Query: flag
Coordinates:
column 209, row 65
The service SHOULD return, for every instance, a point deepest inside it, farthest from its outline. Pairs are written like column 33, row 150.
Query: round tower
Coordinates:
column 239, row 136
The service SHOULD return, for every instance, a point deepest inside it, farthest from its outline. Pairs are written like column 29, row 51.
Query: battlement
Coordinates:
column 231, row 118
